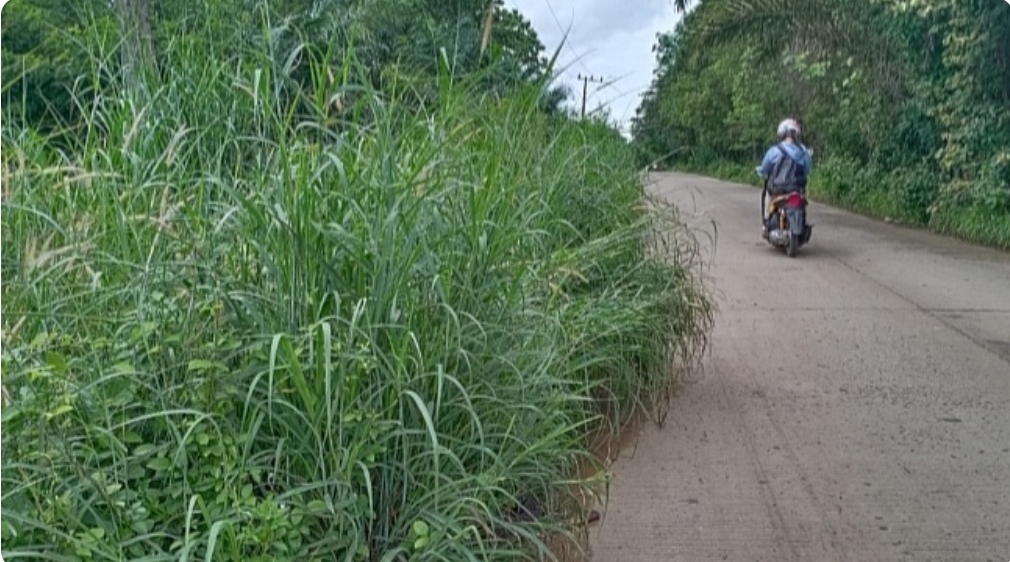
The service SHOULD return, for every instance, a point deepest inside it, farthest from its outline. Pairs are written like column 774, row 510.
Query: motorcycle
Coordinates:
column 786, row 225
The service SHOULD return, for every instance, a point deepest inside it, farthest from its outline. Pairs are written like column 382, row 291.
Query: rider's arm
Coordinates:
column 768, row 162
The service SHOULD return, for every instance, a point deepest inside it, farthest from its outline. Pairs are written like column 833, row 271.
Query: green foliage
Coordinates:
column 974, row 222
column 903, row 194
column 245, row 322
column 904, row 102
column 50, row 44
column 47, row 46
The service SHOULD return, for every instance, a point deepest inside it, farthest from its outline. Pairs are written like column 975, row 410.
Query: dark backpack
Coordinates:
column 784, row 175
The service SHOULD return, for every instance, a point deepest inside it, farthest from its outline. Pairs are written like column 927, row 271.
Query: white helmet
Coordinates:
column 789, row 127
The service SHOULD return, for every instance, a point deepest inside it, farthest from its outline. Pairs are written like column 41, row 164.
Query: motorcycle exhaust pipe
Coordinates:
column 778, row 237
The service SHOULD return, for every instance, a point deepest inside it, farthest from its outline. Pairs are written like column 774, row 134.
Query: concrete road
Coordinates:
column 855, row 407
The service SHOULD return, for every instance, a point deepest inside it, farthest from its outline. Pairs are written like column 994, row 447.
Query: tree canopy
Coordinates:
column 57, row 53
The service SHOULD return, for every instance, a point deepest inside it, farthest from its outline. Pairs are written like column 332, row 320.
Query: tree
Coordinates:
column 138, row 47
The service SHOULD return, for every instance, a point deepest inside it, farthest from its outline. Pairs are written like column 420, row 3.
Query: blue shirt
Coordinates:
column 798, row 152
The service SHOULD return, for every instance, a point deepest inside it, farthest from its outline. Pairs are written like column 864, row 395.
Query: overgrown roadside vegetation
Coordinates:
column 272, row 304
column 905, row 103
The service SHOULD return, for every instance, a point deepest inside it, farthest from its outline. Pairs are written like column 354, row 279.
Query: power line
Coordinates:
column 623, row 94
column 578, row 58
column 628, row 93
column 613, row 84
column 565, row 41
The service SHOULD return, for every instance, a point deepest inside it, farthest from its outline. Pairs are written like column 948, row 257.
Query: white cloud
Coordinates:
column 611, row 39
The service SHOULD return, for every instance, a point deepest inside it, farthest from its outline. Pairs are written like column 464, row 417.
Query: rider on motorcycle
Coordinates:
column 789, row 144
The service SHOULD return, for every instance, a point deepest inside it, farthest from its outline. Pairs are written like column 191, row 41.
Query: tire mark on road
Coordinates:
column 761, row 474
column 989, row 347
column 794, row 461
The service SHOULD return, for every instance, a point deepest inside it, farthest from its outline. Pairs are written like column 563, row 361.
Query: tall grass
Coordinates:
column 243, row 323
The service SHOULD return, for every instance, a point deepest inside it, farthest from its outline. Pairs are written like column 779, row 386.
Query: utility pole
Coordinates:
column 585, row 84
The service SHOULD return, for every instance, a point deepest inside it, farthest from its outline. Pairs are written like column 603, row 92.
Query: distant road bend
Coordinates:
column 856, row 405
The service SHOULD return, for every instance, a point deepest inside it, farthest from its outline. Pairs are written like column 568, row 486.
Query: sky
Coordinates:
column 609, row 39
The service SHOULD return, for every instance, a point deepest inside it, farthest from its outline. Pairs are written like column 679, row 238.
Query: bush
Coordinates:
column 974, row 222
column 904, row 195
column 914, row 189
column 238, row 327
column 836, row 179
column 979, row 210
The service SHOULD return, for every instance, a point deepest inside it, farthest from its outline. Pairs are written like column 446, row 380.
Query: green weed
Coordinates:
column 243, row 323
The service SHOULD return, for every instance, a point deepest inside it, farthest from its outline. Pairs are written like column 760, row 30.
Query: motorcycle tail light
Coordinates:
column 795, row 200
